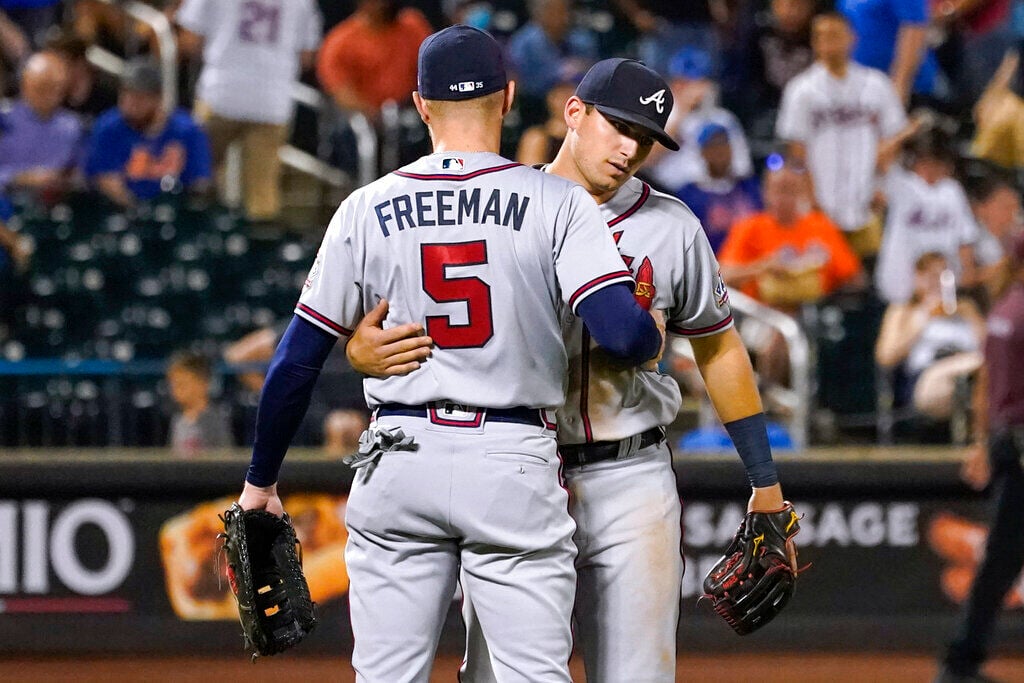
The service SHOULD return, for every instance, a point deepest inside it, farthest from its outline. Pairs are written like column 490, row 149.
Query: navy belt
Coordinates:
column 578, row 454
column 517, row 415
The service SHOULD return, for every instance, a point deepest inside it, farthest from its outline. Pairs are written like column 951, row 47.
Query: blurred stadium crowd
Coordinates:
column 855, row 165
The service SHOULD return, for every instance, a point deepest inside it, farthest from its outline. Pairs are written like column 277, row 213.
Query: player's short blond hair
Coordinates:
column 485, row 105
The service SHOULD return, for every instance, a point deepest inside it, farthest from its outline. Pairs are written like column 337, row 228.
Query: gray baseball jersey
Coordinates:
column 486, row 253
column 841, row 121
column 675, row 269
column 627, row 510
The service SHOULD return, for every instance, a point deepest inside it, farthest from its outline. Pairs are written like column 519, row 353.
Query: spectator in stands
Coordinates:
column 721, row 199
column 342, row 429
column 539, row 144
column 696, row 105
column 999, row 119
column 934, row 339
column 35, row 18
column 984, row 33
column 997, row 209
column 140, row 149
column 198, row 426
column 667, row 26
column 775, row 49
column 994, row 461
column 545, row 52
column 928, row 211
column 892, row 36
column 339, row 389
column 14, row 50
column 90, row 92
column 786, row 256
column 39, row 140
column 836, row 116
column 250, row 47
column 370, row 58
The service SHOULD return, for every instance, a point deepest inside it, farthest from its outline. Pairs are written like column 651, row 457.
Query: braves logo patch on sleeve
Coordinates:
column 314, row 271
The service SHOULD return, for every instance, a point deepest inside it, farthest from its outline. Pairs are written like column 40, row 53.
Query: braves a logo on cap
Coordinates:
column 721, row 291
column 657, row 98
column 452, row 164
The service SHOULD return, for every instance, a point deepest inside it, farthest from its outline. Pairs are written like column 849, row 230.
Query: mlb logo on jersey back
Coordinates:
column 452, row 164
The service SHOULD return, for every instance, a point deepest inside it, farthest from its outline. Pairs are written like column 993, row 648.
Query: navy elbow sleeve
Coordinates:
column 619, row 325
column 285, row 397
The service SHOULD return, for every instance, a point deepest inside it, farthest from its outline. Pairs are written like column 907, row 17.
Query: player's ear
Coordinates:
column 510, row 94
column 421, row 107
column 575, row 110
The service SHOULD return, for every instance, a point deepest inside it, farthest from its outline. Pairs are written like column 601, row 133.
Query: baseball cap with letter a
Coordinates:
column 628, row 90
column 460, row 63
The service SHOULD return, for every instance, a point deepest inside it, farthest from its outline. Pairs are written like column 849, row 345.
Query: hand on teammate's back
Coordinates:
column 378, row 352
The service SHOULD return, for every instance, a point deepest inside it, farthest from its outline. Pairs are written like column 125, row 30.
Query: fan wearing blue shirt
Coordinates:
column 139, row 150
column 892, row 36
column 720, row 199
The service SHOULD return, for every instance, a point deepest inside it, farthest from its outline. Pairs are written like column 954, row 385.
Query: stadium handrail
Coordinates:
column 798, row 397
column 164, row 33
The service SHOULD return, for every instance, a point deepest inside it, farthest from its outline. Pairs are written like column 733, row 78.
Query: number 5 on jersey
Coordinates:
column 474, row 292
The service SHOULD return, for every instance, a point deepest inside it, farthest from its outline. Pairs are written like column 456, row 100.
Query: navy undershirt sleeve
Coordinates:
column 619, row 325
column 285, row 397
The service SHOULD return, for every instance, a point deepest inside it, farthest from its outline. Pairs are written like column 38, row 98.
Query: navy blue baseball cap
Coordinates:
column 628, row 90
column 460, row 63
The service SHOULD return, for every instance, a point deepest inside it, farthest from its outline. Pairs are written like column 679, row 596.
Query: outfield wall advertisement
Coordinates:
column 86, row 568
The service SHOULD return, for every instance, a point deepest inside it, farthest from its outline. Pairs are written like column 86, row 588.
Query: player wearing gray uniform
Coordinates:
column 618, row 466
column 459, row 469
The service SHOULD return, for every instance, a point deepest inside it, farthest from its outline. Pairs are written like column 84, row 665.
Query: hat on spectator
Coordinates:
column 143, row 75
column 628, row 90
column 691, row 63
column 460, row 63
column 709, row 132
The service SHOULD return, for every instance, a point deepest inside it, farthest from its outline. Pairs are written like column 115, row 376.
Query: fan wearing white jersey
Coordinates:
column 248, row 47
column 611, row 429
column 460, row 468
column 928, row 212
column 836, row 116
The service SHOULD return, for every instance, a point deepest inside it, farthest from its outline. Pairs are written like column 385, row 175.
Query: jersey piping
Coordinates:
column 321, row 321
column 645, row 192
column 452, row 177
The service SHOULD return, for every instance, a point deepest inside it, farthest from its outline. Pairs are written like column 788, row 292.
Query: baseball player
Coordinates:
column 623, row 492
column 459, row 469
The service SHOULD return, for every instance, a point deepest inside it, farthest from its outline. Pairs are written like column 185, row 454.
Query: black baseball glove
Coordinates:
column 265, row 573
column 757, row 575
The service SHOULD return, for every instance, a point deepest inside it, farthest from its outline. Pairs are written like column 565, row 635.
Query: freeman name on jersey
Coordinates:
column 442, row 208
